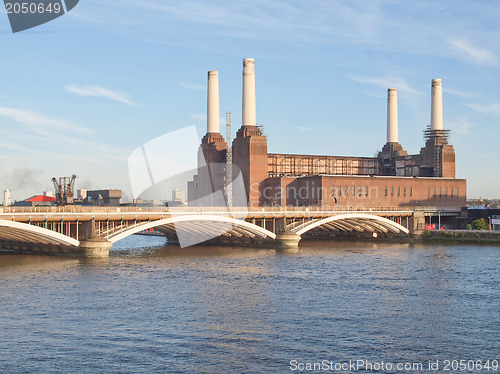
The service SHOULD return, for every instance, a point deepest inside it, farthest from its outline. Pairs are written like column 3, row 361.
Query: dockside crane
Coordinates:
column 65, row 190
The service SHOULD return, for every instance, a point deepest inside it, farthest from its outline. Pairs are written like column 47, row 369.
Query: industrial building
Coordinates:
column 393, row 178
column 37, row 201
column 103, row 197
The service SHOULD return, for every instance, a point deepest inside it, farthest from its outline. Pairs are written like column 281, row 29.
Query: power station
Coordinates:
column 391, row 179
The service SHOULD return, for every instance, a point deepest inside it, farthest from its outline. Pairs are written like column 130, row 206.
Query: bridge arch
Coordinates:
column 199, row 223
column 353, row 221
column 24, row 232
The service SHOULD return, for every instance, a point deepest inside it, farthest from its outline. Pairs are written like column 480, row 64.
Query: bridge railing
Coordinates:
column 180, row 210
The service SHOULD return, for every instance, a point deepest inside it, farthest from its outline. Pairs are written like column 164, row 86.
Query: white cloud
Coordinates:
column 39, row 123
column 199, row 117
column 478, row 55
column 461, row 126
column 97, row 91
column 493, row 109
column 192, row 86
column 386, row 82
column 464, row 95
column 303, row 128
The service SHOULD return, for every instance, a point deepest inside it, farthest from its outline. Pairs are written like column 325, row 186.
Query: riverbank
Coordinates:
column 461, row 236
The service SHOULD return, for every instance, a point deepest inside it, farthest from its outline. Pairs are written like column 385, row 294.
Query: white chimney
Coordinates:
column 392, row 115
column 213, row 119
column 437, row 105
column 249, row 111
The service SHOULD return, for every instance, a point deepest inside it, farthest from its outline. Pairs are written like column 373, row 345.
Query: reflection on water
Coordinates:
column 151, row 307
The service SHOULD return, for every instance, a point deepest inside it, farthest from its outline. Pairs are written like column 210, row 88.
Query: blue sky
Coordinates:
column 80, row 93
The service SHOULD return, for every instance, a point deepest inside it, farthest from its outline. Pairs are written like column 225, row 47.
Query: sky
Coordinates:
column 79, row 94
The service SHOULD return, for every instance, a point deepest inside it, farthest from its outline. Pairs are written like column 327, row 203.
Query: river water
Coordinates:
column 154, row 308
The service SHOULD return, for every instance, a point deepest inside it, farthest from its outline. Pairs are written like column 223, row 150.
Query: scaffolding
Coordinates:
column 437, row 139
column 229, row 162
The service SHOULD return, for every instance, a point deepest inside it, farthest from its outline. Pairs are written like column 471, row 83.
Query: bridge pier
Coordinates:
column 287, row 240
column 94, row 247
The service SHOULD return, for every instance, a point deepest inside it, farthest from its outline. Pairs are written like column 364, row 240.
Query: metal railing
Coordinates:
column 88, row 209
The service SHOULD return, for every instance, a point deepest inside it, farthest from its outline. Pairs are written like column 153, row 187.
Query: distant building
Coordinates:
column 81, row 194
column 6, row 198
column 37, row 200
column 103, row 197
column 48, row 193
column 495, row 222
column 178, row 195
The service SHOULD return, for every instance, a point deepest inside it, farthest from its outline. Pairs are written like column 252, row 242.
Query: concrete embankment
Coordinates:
column 462, row 236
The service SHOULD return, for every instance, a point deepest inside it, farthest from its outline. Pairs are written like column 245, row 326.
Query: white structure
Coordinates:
column 392, row 116
column 213, row 119
column 7, row 198
column 437, row 105
column 48, row 193
column 178, row 195
column 249, row 109
column 495, row 223
column 81, row 194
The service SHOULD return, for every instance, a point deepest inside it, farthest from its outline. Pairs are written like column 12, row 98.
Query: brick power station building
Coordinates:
column 391, row 179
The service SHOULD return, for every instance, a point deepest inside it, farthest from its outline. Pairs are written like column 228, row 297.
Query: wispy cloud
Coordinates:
column 386, row 82
column 97, row 91
column 461, row 126
column 13, row 101
column 493, row 109
column 474, row 53
column 192, row 86
column 199, row 116
column 464, row 95
column 37, row 122
column 303, row 128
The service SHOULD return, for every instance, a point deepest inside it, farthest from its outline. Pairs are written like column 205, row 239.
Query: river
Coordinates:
column 155, row 308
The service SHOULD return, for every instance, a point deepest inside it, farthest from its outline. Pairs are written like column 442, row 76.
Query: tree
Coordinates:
column 481, row 224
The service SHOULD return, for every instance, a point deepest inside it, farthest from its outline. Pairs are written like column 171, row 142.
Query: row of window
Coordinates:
column 451, row 189
column 394, row 191
column 360, row 191
column 398, row 191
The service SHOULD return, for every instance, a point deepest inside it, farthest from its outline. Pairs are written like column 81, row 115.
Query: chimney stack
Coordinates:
column 437, row 105
column 249, row 111
column 392, row 116
column 213, row 119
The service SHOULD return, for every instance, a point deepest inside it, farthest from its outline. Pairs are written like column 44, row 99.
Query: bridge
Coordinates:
column 92, row 231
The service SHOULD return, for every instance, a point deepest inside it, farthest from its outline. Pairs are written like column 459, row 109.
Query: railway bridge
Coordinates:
column 92, row 231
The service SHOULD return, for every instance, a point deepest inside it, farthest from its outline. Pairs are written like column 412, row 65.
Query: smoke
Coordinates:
column 85, row 183
column 24, row 182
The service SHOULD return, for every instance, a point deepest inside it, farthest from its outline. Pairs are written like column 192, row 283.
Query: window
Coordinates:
column 411, row 191
column 385, row 191
column 451, row 189
column 404, row 191
column 333, row 191
column 366, row 191
column 446, row 191
column 440, row 191
column 360, row 190
column 392, row 191
column 428, row 192
column 435, row 193
column 457, row 192
column 353, row 190
column 399, row 191
column 340, row 190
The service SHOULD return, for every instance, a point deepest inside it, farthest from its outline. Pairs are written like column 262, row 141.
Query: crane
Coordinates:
column 65, row 190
